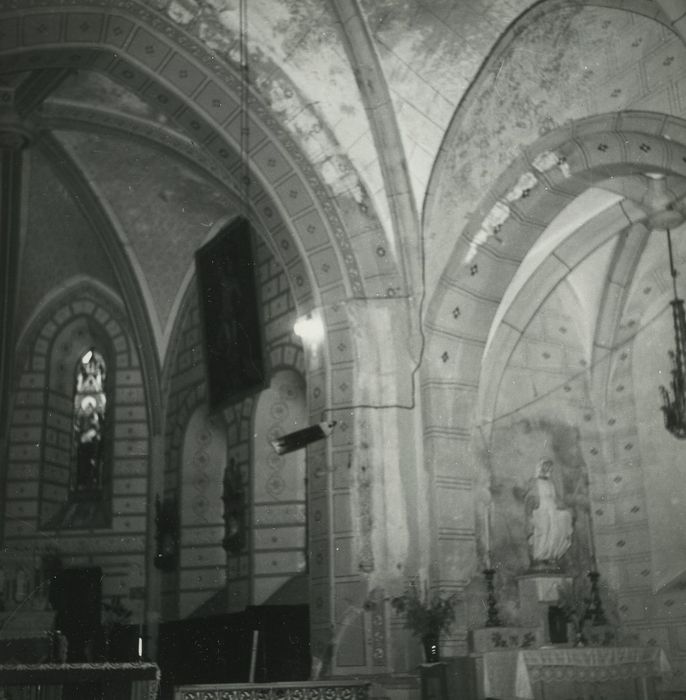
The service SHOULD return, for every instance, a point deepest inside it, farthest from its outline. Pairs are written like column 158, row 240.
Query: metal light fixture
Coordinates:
column 665, row 214
column 674, row 404
column 302, row 438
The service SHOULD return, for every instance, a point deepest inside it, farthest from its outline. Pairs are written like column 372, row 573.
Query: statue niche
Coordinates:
column 549, row 524
column 234, row 498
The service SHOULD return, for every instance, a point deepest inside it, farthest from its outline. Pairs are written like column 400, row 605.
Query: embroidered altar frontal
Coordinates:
column 110, row 681
column 305, row 690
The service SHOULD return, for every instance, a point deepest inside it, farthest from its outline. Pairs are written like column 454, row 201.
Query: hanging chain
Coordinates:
column 674, row 407
column 244, row 107
column 671, row 264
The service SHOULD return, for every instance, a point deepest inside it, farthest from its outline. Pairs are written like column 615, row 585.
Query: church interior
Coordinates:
column 312, row 311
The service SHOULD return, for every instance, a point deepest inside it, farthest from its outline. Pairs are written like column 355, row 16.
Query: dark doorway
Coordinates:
column 75, row 595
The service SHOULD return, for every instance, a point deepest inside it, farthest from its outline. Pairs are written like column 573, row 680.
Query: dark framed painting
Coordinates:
column 226, row 272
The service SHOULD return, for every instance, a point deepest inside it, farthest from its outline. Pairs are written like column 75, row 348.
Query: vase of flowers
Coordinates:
column 426, row 615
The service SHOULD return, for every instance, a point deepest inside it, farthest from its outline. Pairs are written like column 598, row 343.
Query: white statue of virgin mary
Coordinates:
column 550, row 526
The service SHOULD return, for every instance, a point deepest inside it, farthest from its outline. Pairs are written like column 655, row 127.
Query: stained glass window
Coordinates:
column 90, row 403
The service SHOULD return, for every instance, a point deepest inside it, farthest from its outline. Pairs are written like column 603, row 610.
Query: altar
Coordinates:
column 559, row 673
column 97, row 681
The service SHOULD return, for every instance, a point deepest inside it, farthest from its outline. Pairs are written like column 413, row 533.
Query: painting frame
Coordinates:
column 229, row 305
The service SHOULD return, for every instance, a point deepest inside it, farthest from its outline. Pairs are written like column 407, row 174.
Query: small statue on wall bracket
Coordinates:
column 234, row 500
column 166, row 533
column 550, row 525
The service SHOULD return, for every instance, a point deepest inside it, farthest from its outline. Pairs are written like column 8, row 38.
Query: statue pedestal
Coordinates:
column 537, row 592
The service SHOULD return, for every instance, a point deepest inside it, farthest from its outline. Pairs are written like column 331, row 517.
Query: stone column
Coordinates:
column 367, row 493
column 12, row 143
column 153, row 577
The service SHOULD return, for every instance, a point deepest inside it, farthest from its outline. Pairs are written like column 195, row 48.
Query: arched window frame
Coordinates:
column 90, row 399
column 83, row 315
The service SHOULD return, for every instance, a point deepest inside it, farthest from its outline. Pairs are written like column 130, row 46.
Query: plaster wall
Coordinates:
column 430, row 56
column 202, row 560
column 640, row 522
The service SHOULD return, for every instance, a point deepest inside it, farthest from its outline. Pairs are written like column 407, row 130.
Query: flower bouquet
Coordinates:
column 426, row 615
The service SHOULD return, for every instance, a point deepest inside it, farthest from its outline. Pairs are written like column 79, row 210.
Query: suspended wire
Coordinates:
column 581, row 374
column 244, row 107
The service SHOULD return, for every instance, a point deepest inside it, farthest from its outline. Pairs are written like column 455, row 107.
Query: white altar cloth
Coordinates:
column 512, row 674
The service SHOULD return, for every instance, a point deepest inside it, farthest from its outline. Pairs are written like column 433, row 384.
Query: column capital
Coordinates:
column 15, row 133
column 13, row 140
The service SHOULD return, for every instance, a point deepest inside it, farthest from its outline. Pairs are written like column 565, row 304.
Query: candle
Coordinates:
column 253, row 656
column 487, row 534
column 591, row 544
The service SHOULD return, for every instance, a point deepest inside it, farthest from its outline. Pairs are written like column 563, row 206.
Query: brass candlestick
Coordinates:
column 492, row 619
column 595, row 609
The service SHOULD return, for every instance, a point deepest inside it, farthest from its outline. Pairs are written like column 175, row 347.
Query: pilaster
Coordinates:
column 12, row 143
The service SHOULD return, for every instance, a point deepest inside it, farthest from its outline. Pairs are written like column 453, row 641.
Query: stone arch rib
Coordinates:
column 481, row 265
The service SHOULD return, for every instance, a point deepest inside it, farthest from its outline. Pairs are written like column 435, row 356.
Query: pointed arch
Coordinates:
column 78, row 317
column 486, row 257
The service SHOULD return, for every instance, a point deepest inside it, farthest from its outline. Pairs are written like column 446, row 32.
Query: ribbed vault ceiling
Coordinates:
column 308, row 65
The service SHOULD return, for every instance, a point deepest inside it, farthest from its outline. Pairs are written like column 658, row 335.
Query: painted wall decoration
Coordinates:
column 201, row 558
column 229, row 303
column 279, row 516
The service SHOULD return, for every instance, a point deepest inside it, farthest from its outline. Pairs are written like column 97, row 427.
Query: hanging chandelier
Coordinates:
column 665, row 215
column 674, row 403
